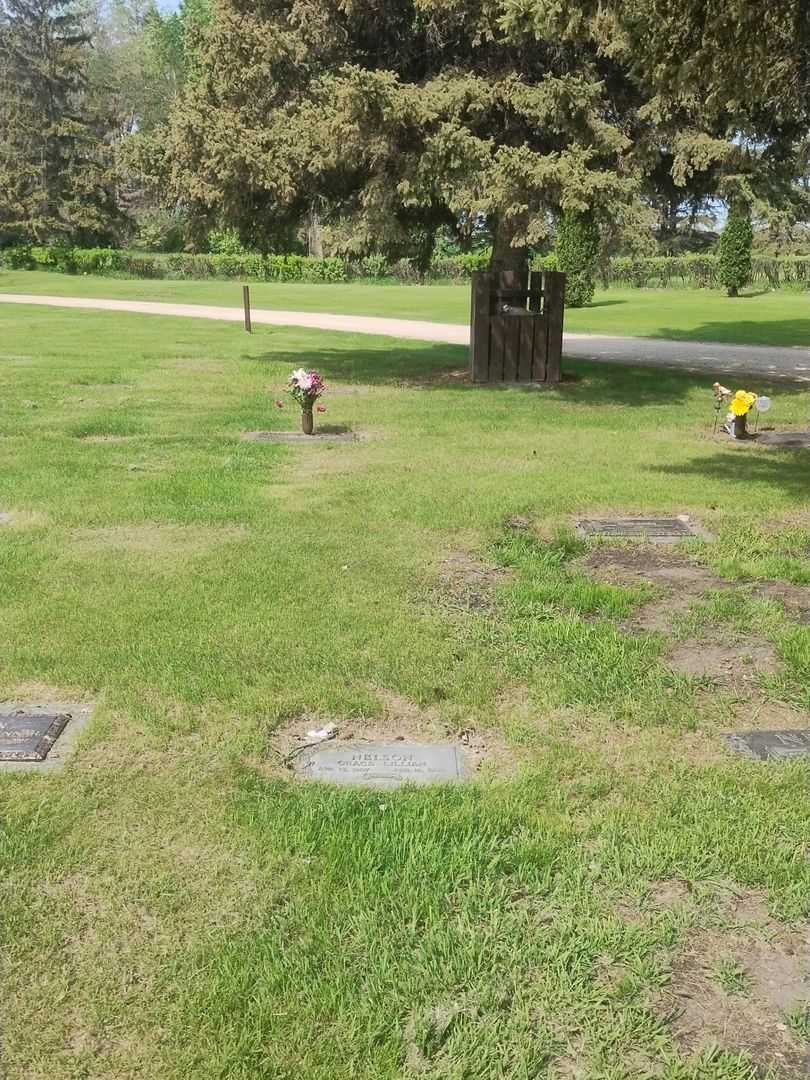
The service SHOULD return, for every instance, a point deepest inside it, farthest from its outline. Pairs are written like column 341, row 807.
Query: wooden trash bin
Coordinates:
column 516, row 327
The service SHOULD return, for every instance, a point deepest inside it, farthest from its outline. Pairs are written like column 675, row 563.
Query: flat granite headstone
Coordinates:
column 29, row 736
column 383, row 765
column 764, row 745
column 788, row 440
column 656, row 530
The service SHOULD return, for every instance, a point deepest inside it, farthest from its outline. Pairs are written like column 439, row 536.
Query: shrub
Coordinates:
column 577, row 253
column 56, row 257
column 98, row 260
column 144, row 266
column 195, row 267
column 17, row 257
column 225, row 242
column 460, row 267
column 371, row 266
column 245, row 265
column 734, row 252
column 160, row 231
column 546, row 262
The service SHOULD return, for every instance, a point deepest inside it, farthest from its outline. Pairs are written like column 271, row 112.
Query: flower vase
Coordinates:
column 741, row 427
column 307, row 421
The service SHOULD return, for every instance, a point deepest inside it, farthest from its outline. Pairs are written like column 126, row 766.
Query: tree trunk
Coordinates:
column 732, row 290
column 314, row 235
column 504, row 255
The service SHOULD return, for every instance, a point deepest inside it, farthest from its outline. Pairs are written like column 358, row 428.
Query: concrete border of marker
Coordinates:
column 79, row 714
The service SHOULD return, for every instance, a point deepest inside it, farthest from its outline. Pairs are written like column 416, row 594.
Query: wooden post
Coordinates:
column 554, row 308
column 479, row 326
column 246, row 302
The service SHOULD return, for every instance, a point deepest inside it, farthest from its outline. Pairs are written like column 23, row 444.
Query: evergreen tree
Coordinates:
column 55, row 171
column 577, row 251
column 735, row 251
column 400, row 118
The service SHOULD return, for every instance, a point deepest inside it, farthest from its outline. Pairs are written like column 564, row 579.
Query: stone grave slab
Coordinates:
column 658, row 530
column 382, row 765
column 29, row 736
column 300, row 437
column 768, row 745
column 788, row 440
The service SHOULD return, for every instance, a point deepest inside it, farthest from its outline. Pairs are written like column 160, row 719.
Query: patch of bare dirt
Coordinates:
column 776, row 972
column 669, row 894
column 723, row 658
column 402, row 720
column 468, row 584
column 108, row 438
column 742, row 663
column 648, row 564
column 36, row 692
column 519, row 523
column 758, row 713
column 642, row 750
column 151, row 538
column 665, row 895
column 456, row 377
column 794, row 598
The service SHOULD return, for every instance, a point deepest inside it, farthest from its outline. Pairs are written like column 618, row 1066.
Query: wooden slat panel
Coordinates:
column 479, row 327
column 539, row 350
column 554, row 307
column 497, row 342
column 536, row 290
column 526, row 345
column 512, row 346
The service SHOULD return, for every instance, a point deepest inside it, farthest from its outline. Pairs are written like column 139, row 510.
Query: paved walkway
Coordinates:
column 776, row 363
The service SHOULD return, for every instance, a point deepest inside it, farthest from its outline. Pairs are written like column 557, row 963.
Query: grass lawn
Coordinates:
column 176, row 906
column 759, row 318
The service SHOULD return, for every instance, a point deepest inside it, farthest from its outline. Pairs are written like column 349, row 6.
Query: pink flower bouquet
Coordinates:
column 306, row 387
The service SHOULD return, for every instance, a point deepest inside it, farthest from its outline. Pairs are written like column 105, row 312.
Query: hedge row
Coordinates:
column 249, row 266
column 703, row 271
column 697, row 270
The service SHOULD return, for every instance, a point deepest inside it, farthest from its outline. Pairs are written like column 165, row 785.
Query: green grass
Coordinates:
column 757, row 318
column 172, row 906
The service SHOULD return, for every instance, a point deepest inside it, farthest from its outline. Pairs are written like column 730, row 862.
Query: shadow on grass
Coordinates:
column 603, row 303
column 778, row 333
column 444, row 367
column 775, row 468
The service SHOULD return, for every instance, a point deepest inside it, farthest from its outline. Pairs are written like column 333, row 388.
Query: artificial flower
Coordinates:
column 320, row 408
column 740, row 406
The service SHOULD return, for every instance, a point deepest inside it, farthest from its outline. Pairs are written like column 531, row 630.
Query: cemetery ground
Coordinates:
column 613, row 894
column 758, row 317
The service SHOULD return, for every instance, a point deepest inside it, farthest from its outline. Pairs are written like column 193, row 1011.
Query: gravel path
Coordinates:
column 776, row 363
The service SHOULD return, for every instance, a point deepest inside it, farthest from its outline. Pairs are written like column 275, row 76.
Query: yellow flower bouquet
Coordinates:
column 740, row 403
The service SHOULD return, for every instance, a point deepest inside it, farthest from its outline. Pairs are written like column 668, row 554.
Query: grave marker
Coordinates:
column 656, row 530
column 29, row 736
column 765, row 745
column 382, row 765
